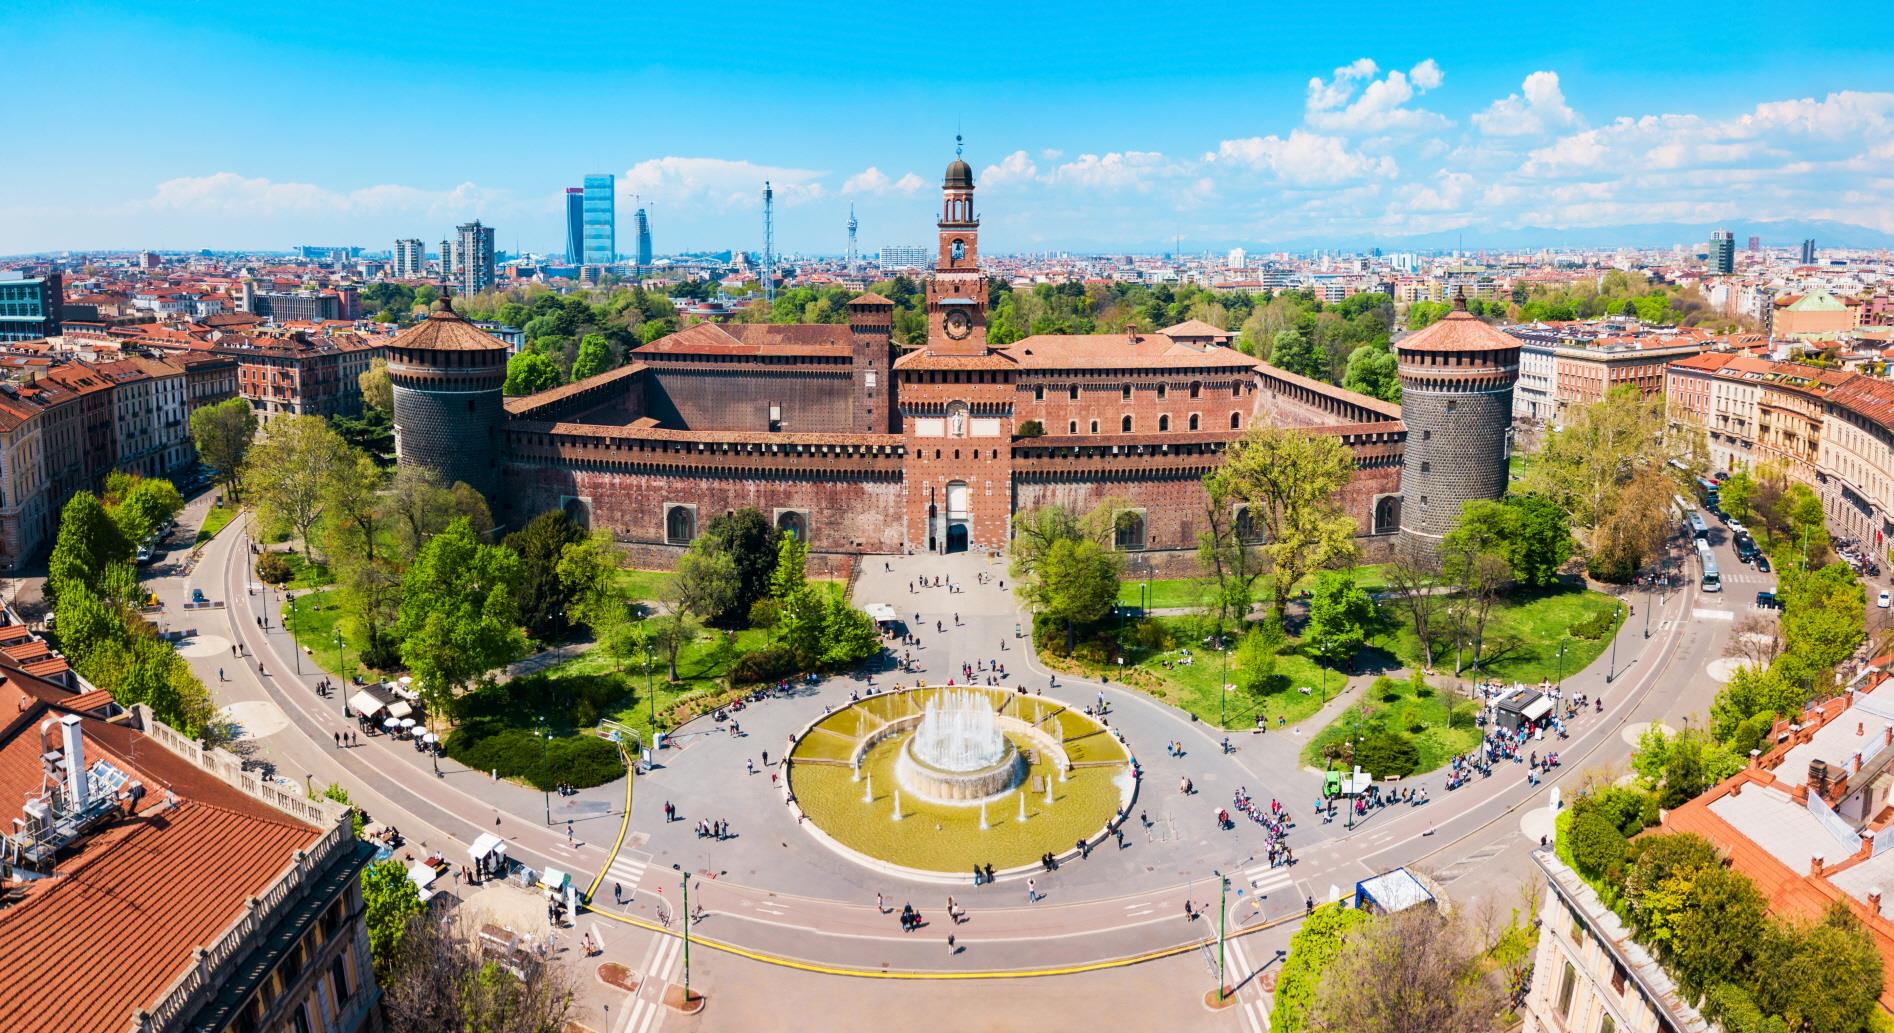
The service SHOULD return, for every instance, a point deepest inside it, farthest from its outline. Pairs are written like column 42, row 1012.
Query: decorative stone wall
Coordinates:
column 1456, row 452
column 451, row 432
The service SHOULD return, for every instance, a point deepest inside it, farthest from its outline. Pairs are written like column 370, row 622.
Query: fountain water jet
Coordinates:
column 868, row 794
column 1022, row 805
column 983, row 824
column 957, row 753
column 897, row 806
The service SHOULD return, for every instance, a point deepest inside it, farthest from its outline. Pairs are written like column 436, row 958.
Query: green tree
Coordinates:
column 595, row 357
column 1598, row 847
column 144, row 505
column 1822, row 978
column 1737, row 494
column 1254, row 667
column 1227, row 554
column 291, row 468
column 1077, row 583
column 377, row 390
column 541, row 594
column 1312, row 950
column 1295, row 350
column 459, row 615
column 1414, row 970
column 529, row 372
column 1373, row 372
column 704, row 585
column 790, row 574
column 1291, row 480
column 1340, row 612
column 751, row 543
column 390, row 902
column 1474, row 558
column 1753, row 691
column 1541, row 540
column 88, row 539
column 223, row 434
column 849, row 635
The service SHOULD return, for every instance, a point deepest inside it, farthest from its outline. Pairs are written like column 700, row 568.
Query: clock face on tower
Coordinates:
column 956, row 324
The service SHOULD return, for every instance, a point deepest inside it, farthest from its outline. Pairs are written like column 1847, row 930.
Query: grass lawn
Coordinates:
column 1186, row 593
column 1422, row 716
column 643, row 585
column 305, row 575
column 1523, row 636
column 700, row 665
column 312, row 619
column 215, row 519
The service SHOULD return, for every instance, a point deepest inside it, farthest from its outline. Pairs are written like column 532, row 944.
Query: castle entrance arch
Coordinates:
column 958, row 517
column 957, row 537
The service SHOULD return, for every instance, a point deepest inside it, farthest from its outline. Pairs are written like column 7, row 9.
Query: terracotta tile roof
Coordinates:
column 1120, row 351
column 1458, row 330
column 869, row 298
column 446, row 330
column 118, row 920
column 524, row 405
column 921, row 358
column 1196, row 328
column 1870, row 397
column 87, row 700
column 829, row 340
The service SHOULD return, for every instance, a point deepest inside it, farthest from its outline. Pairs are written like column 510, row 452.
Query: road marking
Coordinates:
column 1264, row 879
column 628, row 870
column 1712, row 615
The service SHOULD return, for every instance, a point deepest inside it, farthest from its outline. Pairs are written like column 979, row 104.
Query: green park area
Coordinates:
column 215, row 519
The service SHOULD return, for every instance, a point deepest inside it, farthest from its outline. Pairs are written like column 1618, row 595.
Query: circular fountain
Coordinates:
column 957, row 754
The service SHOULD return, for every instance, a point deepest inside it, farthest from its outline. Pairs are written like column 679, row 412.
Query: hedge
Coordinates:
column 581, row 760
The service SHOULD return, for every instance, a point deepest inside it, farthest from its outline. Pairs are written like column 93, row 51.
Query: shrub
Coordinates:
column 582, row 760
column 1598, row 848
column 1031, row 429
column 1596, row 626
column 771, row 663
column 1151, row 636
column 1385, row 754
column 272, row 568
column 382, row 655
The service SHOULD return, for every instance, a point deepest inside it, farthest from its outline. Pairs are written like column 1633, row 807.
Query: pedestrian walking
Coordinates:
column 881, row 904
column 338, row 740
column 1032, row 892
column 750, row 765
column 951, row 949
column 568, row 832
column 618, row 893
column 220, row 674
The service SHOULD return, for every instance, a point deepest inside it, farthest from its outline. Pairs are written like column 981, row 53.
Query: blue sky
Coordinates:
column 1090, row 126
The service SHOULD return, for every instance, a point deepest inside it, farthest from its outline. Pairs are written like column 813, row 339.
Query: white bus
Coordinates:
column 1712, row 578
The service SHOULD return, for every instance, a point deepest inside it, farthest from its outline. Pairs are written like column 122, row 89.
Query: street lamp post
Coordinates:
column 289, row 625
column 687, row 937
column 1354, row 751
column 1650, row 590
column 1612, row 674
column 1223, row 694
column 544, row 738
column 1561, row 664
column 1223, row 912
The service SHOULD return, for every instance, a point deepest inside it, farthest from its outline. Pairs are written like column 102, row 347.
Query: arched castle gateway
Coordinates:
column 833, row 432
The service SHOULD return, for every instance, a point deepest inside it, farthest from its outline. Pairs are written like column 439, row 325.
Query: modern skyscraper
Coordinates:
column 1722, row 252
column 601, row 231
column 1808, row 252
column 473, row 258
column 854, row 259
column 575, row 225
column 1755, row 244
column 448, row 265
column 644, row 238
column 902, row 256
column 31, row 307
column 410, row 258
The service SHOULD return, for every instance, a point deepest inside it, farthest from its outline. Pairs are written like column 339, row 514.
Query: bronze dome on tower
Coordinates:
column 959, row 175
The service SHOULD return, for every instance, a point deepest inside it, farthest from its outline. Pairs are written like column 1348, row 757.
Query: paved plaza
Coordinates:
column 783, row 922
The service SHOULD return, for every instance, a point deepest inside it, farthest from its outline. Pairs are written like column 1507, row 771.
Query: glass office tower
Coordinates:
column 575, row 225
column 601, row 239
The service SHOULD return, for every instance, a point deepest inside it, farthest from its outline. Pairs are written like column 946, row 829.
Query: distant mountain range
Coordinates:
column 1774, row 233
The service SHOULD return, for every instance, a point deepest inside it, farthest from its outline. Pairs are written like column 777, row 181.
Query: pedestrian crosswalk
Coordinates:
column 1265, row 880
column 645, row 1012
column 1256, row 1008
column 625, row 870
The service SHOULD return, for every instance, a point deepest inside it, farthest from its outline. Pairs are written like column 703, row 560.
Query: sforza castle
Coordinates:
column 862, row 447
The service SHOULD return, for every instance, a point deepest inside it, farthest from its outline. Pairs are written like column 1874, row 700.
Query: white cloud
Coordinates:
column 872, row 181
column 1381, row 106
column 1014, row 168
column 1117, row 170
column 1303, row 158
column 718, row 183
column 1326, row 96
column 1537, row 109
column 231, row 193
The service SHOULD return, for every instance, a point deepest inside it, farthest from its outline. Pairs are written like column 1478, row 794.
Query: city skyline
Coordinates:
column 1342, row 138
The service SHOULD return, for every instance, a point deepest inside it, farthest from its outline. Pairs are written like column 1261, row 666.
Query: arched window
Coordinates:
column 1094, row 426
column 1074, row 392
column 1387, row 514
column 1125, row 425
column 793, row 524
column 680, row 525
column 1196, row 389
column 1193, row 421
column 1072, row 427
column 1161, row 392
column 1236, row 420
column 1247, row 529
column 580, row 513
column 1125, row 392
column 1163, row 423
column 1129, row 535
column 959, row 250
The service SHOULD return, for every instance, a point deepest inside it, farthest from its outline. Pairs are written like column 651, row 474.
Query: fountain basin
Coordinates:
column 943, row 785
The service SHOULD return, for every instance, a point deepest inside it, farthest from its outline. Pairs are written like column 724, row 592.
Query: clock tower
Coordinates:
column 956, row 295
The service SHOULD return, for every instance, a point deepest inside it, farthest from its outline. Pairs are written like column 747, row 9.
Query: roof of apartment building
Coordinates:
column 1809, row 821
column 130, row 899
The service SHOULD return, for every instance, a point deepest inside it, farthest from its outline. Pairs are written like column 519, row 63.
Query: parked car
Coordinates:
column 197, row 596
column 1762, row 563
column 1768, row 601
column 1883, row 600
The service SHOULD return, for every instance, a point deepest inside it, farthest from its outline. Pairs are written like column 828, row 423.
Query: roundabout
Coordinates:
column 931, row 782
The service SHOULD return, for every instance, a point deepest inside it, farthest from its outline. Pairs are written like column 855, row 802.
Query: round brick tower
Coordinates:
column 447, row 374
column 1457, row 402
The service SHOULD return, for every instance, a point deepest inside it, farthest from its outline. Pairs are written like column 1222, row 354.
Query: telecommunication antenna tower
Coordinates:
column 853, row 257
column 769, row 243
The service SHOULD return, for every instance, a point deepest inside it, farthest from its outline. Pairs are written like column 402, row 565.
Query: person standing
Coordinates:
column 1032, row 892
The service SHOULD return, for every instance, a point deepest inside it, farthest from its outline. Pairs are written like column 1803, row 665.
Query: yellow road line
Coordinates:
column 869, row 973
column 622, row 826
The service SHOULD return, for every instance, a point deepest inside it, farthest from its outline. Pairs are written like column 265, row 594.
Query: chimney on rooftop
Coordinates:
column 77, row 783
column 1815, row 864
column 1131, row 333
column 1874, row 899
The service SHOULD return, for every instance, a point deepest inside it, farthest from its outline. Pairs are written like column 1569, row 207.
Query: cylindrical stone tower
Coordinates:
column 447, row 374
column 1457, row 402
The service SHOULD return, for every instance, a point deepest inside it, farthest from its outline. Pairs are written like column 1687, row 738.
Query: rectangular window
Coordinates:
column 1567, row 986
column 300, row 1019
column 1618, row 977
column 339, row 982
column 1607, row 1025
